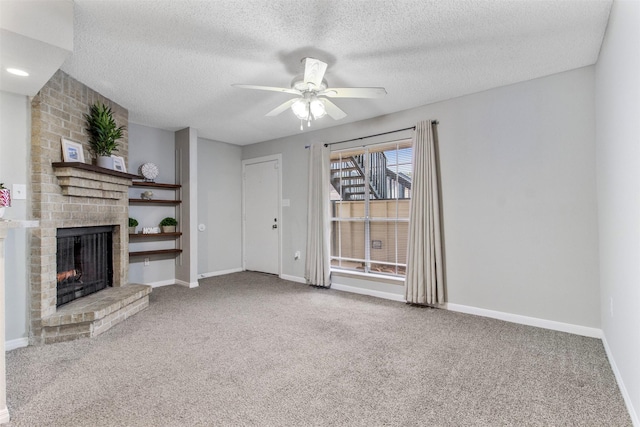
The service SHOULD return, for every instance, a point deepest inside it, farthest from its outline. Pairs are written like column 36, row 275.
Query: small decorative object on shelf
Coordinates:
column 147, row 195
column 168, row 225
column 5, row 199
column 133, row 223
column 72, row 151
column 151, row 230
column 149, row 171
column 103, row 134
column 118, row 163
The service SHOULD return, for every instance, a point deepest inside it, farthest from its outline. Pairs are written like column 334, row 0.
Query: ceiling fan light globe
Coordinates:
column 317, row 109
column 301, row 109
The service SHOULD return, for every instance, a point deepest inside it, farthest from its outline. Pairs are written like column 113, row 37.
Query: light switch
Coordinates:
column 19, row 191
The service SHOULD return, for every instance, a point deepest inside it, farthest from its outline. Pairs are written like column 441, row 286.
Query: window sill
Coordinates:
column 399, row 281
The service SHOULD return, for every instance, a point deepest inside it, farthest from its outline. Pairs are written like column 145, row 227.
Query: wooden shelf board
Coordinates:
column 154, row 202
column 94, row 168
column 151, row 235
column 155, row 185
column 156, row 252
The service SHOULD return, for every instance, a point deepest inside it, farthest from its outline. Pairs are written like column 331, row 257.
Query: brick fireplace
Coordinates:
column 66, row 197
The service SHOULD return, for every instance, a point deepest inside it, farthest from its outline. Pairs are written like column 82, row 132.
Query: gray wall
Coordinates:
column 15, row 135
column 156, row 146
column 519, row 199
column 618, row 172
column 219, row 207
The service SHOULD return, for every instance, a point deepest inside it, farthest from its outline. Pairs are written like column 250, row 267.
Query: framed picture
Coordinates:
column 72, row 151
column 118, row 164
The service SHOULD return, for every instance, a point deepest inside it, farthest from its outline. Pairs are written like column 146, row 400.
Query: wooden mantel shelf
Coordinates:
column 84, row 180
column 93, row 168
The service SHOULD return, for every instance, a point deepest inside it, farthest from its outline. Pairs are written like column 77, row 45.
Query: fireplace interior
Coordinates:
column 84, row 261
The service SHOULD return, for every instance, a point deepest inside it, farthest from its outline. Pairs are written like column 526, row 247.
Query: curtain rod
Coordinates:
column 435, row 122
column 368, row 136
column 377, row 134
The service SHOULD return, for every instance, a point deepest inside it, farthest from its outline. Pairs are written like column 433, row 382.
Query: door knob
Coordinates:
column 274, row 226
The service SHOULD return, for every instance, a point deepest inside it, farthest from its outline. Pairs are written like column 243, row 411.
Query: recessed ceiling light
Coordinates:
column 17, row 72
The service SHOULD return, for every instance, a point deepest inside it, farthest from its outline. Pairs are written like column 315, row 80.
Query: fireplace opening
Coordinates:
column 84, row 262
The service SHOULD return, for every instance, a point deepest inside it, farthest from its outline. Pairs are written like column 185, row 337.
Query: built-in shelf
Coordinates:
column 155, row 252
column 156, row 235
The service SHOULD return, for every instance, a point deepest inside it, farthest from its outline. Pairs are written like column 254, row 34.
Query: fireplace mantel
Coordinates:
column 85, row 180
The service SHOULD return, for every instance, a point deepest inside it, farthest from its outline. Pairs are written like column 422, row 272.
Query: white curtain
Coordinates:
column 425, row 279
column 317, row 268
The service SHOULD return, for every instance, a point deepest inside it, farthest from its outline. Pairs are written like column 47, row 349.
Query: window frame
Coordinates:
column 336, row 219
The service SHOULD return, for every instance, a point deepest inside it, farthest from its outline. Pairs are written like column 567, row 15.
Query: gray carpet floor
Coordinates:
column 251, row 349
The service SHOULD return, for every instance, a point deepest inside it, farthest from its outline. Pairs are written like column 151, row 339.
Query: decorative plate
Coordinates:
column 149, row 171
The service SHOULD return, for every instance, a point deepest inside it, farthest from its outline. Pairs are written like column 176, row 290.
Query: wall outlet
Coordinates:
column 146, row 262
column 296, row 256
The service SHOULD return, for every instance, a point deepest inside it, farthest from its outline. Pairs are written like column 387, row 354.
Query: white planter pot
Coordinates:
column 105, row 162
column 132, row 230
column 168, row 228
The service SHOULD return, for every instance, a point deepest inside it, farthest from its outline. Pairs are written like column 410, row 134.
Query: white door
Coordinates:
column 262, row 216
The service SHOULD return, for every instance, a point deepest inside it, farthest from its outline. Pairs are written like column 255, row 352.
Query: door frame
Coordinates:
column 245, row 163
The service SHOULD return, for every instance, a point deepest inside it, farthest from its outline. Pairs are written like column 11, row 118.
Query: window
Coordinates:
column 370, row 195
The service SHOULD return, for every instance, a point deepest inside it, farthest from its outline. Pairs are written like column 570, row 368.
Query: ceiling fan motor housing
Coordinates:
column 298, row 83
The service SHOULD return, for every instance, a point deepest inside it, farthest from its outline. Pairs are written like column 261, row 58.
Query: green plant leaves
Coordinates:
column 103, row 130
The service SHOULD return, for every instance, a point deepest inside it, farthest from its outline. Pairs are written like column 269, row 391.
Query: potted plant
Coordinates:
column 168, row 225
column 103, row 134
column 5, row 199
column 133, row 223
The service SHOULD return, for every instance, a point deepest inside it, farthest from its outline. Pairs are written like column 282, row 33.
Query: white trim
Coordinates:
column 161, row 283
column 17, row 343
column 278, row 159
column 623, row 390
column 4, row 415
column 293, row 278
column 391, row 280
column 525, row 320
column 219, row 273
column 370, row 292
column 187, row 284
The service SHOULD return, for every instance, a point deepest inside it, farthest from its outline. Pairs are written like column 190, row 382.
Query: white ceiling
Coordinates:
column 172, row 63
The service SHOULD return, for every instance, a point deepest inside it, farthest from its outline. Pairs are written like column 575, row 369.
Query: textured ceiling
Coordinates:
column 172, row 63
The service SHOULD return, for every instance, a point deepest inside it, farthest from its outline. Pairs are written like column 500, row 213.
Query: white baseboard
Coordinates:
column 4, row 415
column 17, row 343
column 293, row 278
column 161, row 283
column 525, row 320
column 370, row 292
column 187, row 284
column 219, row 273
column 623, row 389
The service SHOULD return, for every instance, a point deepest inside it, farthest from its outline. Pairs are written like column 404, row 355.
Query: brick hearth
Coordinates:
column 96, row 313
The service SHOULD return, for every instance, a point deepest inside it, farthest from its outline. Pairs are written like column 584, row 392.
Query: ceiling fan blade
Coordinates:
column 271, row 88
column 314, row 70
column 281, row 108
column 333, row 110
column 354, row 92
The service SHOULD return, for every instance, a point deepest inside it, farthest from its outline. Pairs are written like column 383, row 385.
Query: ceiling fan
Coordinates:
column 312, row 93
